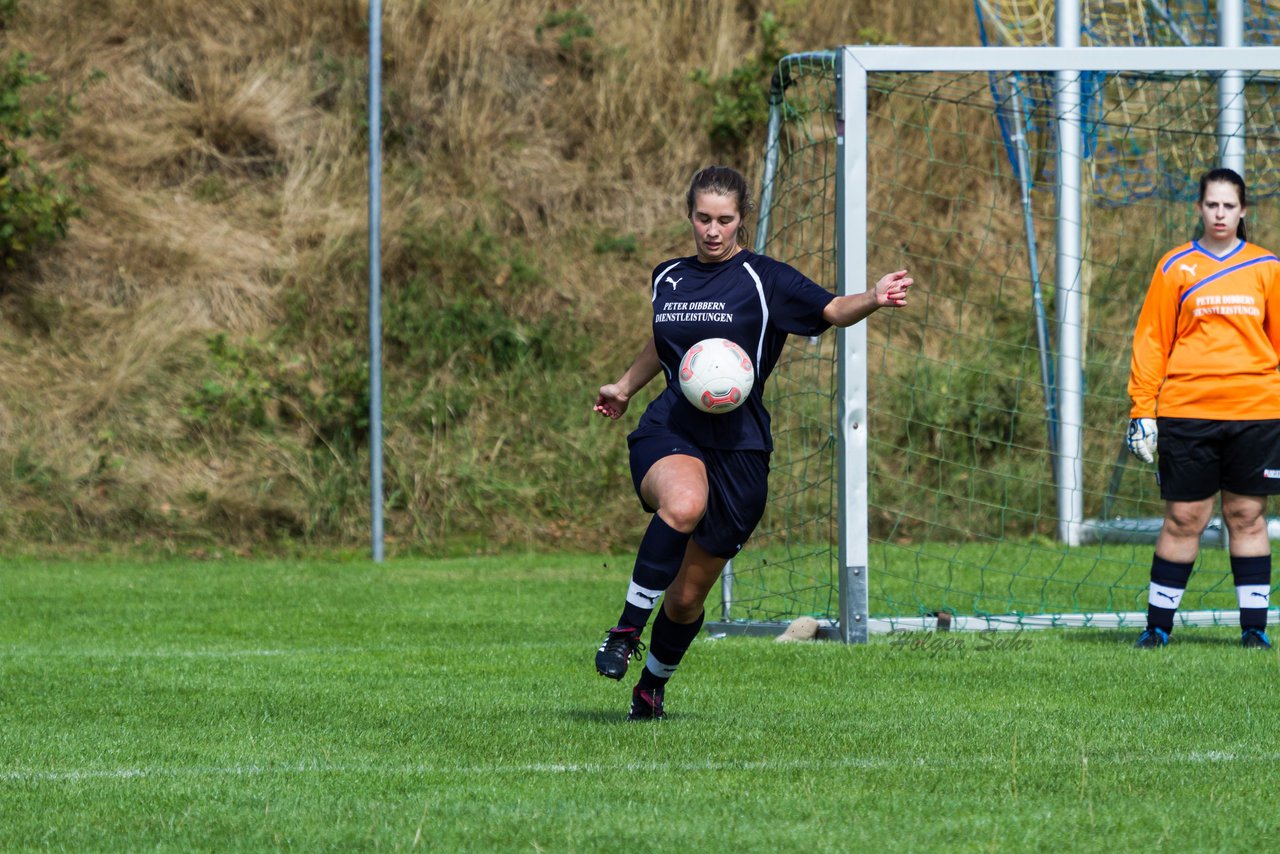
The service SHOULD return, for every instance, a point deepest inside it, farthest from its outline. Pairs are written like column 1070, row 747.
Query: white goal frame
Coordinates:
column 1067, row 63
column 854, row 64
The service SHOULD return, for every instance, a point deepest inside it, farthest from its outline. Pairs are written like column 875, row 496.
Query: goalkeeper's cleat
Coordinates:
column 1255, row 639
column 646, row 704
column 1152, row 638
column 621, row 643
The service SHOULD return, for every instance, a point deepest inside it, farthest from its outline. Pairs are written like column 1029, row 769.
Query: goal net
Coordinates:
column 964, row 456
column 1187, row 23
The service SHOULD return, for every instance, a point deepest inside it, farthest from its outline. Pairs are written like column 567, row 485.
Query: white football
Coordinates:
column 716, row 375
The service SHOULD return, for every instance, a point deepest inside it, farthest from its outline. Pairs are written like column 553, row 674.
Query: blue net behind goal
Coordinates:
column 1125, row 166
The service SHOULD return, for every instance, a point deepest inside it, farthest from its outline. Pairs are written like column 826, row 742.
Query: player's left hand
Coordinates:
column 1142, row 439
column 891, row 290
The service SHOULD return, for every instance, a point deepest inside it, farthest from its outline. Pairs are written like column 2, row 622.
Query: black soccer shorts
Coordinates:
column 1200, row 457
column 737, row 487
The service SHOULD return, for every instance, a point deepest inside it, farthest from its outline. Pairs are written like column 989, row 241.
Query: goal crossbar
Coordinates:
column 875, row 58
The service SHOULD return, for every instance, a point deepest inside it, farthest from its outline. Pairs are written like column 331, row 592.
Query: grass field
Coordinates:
column 452, row 706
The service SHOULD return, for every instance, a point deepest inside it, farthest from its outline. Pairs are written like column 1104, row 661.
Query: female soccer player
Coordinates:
column 704, row 477
column 1203, row 379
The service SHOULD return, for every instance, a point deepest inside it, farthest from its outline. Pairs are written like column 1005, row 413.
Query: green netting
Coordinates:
column 963, row 509
column 790, row 569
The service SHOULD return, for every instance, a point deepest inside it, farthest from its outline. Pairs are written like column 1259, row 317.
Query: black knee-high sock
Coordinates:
column 657, row 561
column 1168, row 583
column 667, row 645
column 1253, row 589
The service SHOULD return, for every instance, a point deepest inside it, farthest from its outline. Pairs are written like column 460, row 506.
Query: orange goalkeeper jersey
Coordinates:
column 1208, row 336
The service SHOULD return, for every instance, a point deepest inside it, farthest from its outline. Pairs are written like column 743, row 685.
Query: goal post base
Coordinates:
column 827, row 629
column 830, row 630
column 1146, row 530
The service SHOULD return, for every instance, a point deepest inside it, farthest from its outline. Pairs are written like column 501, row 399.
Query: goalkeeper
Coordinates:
column 1204, row 380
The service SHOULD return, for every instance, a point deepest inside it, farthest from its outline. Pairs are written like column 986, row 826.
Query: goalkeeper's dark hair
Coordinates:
column 1226, row 176
column 723, row 181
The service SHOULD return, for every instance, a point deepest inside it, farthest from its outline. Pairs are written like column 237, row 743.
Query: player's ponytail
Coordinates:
column 723, row 181
column 1226, row 176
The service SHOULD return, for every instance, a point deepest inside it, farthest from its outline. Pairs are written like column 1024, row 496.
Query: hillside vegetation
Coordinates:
column 187, row 367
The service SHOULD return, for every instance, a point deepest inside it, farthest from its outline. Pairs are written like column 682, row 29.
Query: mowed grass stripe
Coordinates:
column 815, row 765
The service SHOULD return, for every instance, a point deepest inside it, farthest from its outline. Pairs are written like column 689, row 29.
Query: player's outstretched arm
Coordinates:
column 890, row 291
column 613, row 398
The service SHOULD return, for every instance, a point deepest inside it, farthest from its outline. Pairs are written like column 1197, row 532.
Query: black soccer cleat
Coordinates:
column 1152, row 638
column 1255, row 639
column 646, row 704
column 621, row 644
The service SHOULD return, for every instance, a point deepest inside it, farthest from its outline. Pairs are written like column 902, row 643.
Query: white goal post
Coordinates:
column 855, row 66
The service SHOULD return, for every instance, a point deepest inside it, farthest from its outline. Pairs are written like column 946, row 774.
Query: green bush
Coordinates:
column 36, row 206
column 738, row 103
column 462, row 301
column 257, row 386
column 575, row 37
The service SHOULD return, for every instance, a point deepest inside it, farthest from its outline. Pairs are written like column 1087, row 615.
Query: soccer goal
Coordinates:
column 963, row 457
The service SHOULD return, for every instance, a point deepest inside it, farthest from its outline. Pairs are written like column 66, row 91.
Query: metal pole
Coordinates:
column 851, row 263
column 1019, row 139
column 726, row 592
column 375, row 273
column 1069, row 464
column 773, row 138
column 1231, row 102
column 772, row 144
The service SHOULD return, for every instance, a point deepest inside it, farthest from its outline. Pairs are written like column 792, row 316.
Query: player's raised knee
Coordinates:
column 683, row 512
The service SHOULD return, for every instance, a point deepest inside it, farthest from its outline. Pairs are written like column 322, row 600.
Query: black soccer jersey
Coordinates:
column 753, row 301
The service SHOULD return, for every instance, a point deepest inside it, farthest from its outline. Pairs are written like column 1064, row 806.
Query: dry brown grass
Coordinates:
column 226, row 148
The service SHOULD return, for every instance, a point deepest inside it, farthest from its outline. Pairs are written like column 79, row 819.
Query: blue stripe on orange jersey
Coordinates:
column 1182, row 254
column 1218, row 275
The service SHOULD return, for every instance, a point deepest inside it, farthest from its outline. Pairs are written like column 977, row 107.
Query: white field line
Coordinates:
column 38, row 651
column 106, row 652
column 32, row 775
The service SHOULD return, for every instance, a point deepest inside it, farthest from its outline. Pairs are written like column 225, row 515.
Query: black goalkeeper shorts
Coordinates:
column 1199, row 457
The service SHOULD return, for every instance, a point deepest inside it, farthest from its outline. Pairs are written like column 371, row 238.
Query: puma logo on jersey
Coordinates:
column 675, row 282
column 1190, row 268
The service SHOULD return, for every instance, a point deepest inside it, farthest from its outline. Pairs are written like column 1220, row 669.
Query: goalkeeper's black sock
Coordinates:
column 1168, row 583
column 1253, row 589
column 657, row 561
column 668, row 642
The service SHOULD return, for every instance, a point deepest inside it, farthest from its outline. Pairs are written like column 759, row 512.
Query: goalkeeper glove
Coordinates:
column 1142, row 439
